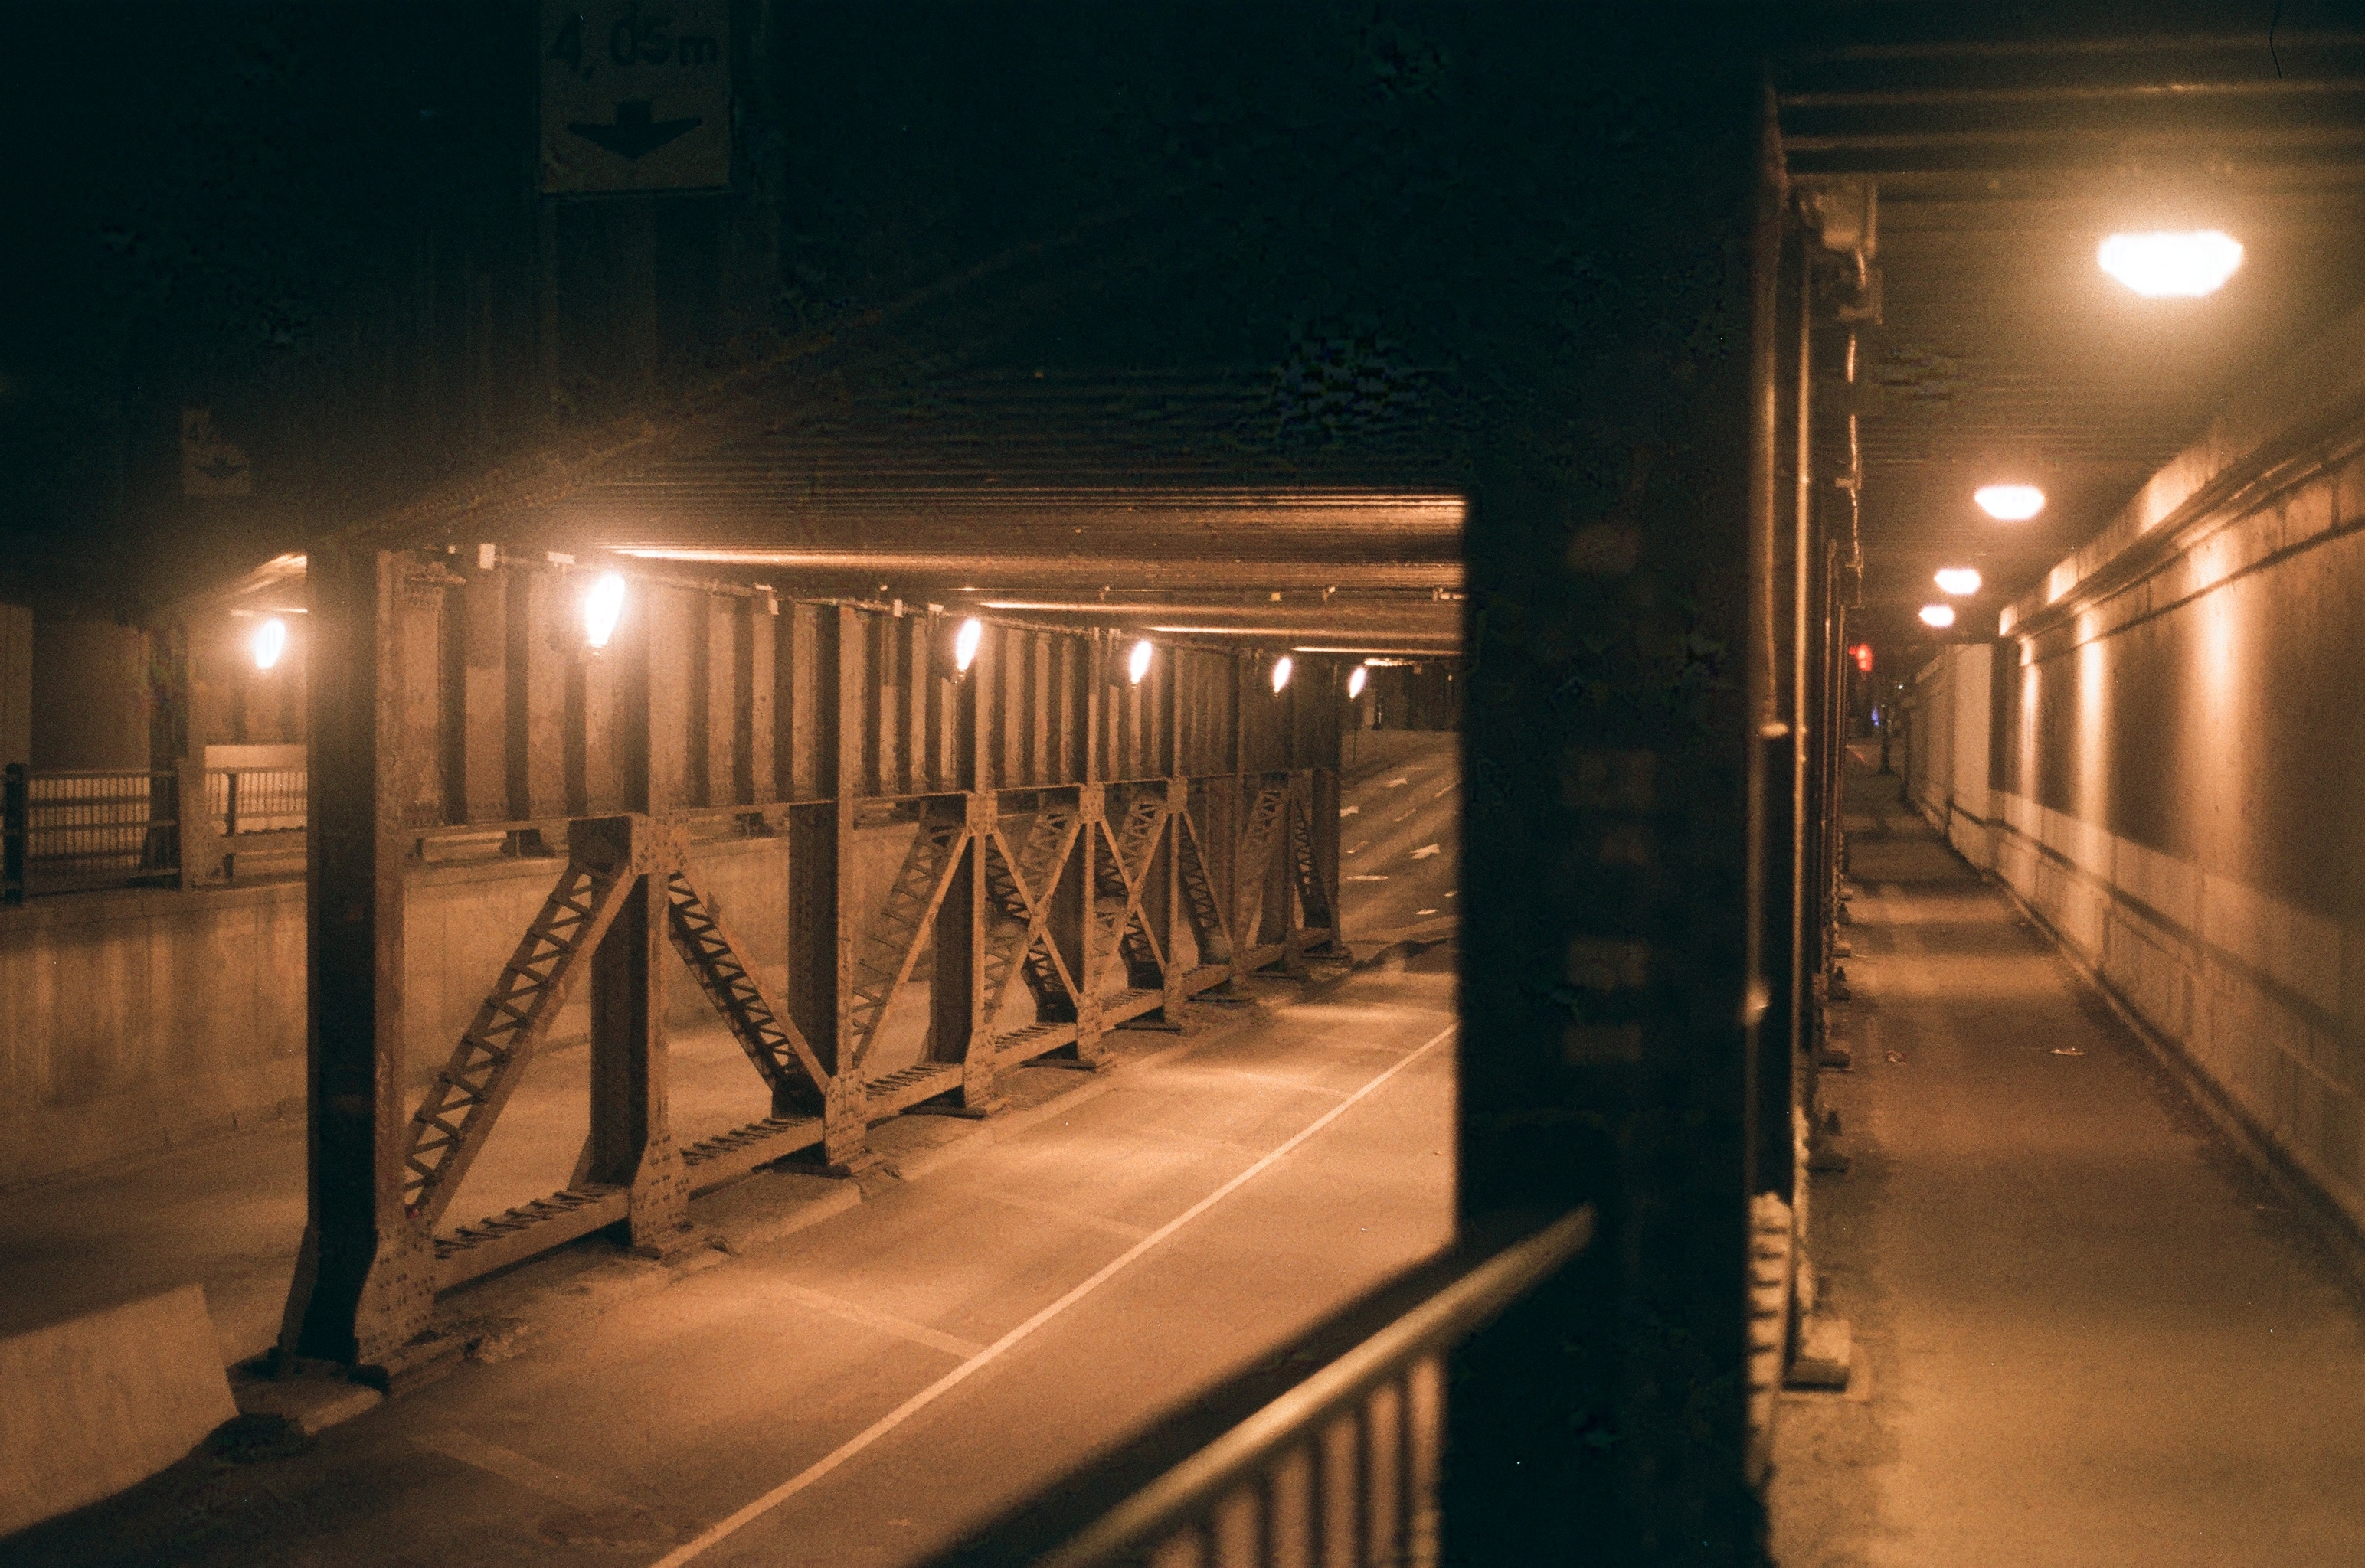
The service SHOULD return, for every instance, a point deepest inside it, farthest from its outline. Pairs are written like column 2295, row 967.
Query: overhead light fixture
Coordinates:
column 2010, row 503
column 965, row 641
column 2166, row 265
column 1958, row 580
column 270, row 641
column 603, row 606
column 1355, row 678
column 1280, row 672
column 1939, row 616
column 1136, row 664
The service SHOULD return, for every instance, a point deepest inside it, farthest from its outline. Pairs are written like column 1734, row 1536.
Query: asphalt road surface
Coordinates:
column 857, row 1393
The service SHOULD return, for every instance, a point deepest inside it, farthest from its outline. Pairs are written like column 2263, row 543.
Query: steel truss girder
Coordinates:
column 774, row 1045
column 466, row 1099
column 1124, row 876
column 1210, row 926
column 716, row 708
column 1268, row 819
column 449, row 1129
column 1011, row 884
column 891, row 943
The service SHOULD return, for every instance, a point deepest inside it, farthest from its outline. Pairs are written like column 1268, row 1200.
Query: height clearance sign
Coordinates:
column 635, row 95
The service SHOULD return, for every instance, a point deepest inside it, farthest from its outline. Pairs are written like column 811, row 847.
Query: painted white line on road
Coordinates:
column 515, row 1467
column 716, row 1533
column 918, row 1333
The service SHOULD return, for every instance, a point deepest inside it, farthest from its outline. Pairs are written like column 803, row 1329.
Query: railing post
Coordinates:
column 200, row 846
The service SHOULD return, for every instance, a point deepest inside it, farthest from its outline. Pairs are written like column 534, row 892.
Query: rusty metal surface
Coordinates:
column 1069, row 829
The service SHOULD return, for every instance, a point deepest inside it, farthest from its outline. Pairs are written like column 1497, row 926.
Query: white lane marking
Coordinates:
column 515, row 1467
column 1444, row 793
column 1424, row 912
column 910, row 1407
column 1072, row 1216
column 903, row 1328
column 1381, row 878
column 1346, row 811
column 1395, row 782
column 1424, row 852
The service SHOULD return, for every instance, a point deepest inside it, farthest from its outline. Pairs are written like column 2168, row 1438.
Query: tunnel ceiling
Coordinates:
column 1217, row 504
column 2003, row 352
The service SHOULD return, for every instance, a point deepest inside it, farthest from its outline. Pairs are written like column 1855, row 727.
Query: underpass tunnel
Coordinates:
column 2063, row 545
column 1435, row 786
column 850, row 691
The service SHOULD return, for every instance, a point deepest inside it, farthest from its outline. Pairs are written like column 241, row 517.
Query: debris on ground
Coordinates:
column 1897, row 1059
column 2068, row 1051
column 1424, row 852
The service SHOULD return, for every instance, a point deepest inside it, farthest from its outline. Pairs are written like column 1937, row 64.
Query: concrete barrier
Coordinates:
column 104, row 1401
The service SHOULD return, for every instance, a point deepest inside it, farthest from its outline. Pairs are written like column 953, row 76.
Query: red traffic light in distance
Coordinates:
column 1862, row 655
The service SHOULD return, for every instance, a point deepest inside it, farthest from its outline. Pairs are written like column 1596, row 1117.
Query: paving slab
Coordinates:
column 2086, row 1330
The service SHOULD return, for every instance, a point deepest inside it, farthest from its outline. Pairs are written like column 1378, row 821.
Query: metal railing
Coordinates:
column 1342, row 1469
column 82, row 829
column 255, row 799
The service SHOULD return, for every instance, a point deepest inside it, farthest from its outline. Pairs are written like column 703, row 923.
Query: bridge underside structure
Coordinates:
column 1091, row 849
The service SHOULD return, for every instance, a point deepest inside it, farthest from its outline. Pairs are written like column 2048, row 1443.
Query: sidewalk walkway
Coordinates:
column 2087, row 1332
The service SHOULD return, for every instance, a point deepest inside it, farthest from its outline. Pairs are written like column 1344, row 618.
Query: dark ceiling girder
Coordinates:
column 2000, row 163
column 2143, row 93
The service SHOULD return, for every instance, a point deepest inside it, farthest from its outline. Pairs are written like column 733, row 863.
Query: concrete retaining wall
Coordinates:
column 1946, row 758
column 2177, row 764
column 141, row 1022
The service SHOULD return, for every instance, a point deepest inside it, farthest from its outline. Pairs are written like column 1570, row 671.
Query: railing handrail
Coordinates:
column 99, row 773
column 1192, row 1487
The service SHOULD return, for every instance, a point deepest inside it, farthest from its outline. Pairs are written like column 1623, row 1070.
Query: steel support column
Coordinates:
column 846, row 1144
column 632, row 1144
column 364, row 1282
